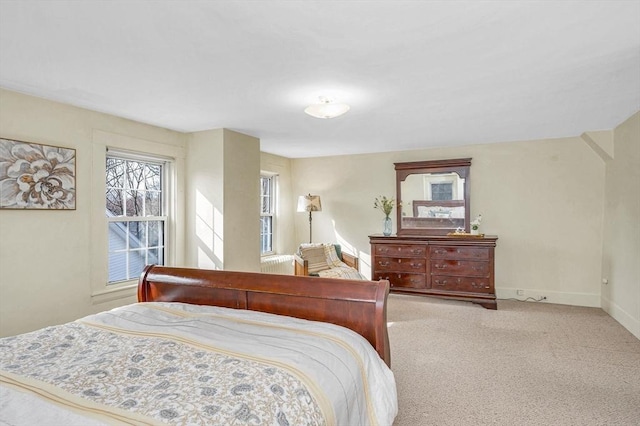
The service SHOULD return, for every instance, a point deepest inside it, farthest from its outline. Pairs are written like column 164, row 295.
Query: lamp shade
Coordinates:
column 326, row 109
column 309, row 203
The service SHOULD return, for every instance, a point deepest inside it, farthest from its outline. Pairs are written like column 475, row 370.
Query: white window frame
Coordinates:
column 272, row 213
column 164, row 218
column 101, row 291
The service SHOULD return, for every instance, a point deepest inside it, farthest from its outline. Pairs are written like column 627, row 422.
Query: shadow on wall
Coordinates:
column 364, row 264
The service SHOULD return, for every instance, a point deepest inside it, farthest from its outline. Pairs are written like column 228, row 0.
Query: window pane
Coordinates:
column 441, row 191
column 153, row 258
column 153, row 173
column 135, row 175
column 117, row 266
column 266, row 242
column 137, row 262
column 118, row 236
column 133, row 203
column 155, row 233
column 137, row 234
column 265, row 195
column 114, row 202
column 115, row 173
column 152, row 204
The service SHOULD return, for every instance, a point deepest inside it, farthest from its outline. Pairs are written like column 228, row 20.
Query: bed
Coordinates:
column 210, row 347
column 436, row 214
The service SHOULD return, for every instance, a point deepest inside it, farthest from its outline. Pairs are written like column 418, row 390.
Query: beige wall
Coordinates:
column 621, row 242
column 223, row 201
column 242, row 202
column 48, row 270
column 544, row 200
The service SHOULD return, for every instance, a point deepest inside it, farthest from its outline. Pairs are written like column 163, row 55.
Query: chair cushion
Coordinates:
column 315, row 255
column 333, row 260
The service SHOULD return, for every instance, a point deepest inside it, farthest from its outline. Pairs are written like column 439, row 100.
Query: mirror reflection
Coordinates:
column 433, row 200
column 433, row 196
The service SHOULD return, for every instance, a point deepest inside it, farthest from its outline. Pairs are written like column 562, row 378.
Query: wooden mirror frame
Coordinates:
column 461, row 166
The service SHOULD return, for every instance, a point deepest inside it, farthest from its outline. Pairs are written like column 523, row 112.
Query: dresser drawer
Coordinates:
column 460, row 267
column 466, row 284
column 402, row 264
column 457, row 252
column 402, row 280
column 400, row 250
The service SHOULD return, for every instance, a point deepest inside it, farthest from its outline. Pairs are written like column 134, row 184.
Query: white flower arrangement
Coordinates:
column 475, row 223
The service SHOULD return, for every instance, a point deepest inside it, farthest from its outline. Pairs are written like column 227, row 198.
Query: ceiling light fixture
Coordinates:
column 326, row 108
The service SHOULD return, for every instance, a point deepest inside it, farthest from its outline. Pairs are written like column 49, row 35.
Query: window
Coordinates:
column 136, row 214
column 267, row 216
column 442, row 191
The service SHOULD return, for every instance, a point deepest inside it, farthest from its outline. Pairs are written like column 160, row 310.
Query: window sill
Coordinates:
column 128, row 289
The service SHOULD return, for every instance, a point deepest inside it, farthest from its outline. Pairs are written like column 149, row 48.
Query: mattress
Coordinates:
column 175, row 363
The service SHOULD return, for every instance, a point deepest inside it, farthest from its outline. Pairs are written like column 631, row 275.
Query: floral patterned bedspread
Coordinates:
column 155, row 363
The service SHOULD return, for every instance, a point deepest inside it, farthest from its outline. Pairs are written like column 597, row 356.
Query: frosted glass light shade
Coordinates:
column 326, row 109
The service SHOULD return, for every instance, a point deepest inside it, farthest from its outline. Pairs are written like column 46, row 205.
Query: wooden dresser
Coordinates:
column 459, row 268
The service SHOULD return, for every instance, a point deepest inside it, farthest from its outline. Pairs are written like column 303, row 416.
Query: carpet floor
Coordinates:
column 527, row 363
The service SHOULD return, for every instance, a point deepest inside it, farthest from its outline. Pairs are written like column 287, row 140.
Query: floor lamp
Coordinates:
column 309, row 203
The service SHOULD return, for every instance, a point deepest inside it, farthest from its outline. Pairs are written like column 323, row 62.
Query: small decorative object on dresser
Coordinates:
column 386, row 205
column 475, row 225
column 459, row 267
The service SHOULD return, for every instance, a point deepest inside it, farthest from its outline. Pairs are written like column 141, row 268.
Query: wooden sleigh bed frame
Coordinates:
column 358, row 305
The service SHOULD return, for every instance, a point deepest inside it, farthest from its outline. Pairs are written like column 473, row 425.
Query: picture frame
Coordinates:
column 36, row 176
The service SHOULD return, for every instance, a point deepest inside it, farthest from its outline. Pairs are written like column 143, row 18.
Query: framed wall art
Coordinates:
column 36, row 176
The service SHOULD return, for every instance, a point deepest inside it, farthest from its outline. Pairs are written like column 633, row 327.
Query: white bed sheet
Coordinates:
column 346, row 377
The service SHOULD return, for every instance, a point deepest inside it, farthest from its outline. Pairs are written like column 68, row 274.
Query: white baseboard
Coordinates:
column 559, row 297
column 623, row 317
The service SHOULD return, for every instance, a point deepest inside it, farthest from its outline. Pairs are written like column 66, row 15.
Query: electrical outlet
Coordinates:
column 520, row 292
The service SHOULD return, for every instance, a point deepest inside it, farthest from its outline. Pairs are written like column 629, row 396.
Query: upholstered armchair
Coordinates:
column 326, row 260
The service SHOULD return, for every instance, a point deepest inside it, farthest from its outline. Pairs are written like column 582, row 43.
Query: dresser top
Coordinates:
column 434, row 239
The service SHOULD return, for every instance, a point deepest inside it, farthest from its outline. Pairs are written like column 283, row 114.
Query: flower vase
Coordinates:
column 387, row 226
column 475, row 231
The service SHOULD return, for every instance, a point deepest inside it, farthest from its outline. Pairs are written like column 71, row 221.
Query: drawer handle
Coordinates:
column 383, row 250
column 440, row 266
column 414, row 281
column 385, row 263
column 440, row 251
column 441, row 283
column 416, row 251
column 416, row 265
column 477, row 268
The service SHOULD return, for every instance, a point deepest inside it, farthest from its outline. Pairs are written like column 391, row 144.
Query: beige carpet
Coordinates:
column 457, row 363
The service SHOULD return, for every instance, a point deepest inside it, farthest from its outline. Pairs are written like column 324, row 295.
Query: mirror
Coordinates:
column 432, row 196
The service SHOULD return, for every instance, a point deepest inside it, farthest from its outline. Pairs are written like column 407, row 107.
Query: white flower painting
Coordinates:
column 34, row 176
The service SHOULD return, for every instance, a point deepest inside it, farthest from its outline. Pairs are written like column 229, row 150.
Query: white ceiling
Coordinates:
column 417, row 74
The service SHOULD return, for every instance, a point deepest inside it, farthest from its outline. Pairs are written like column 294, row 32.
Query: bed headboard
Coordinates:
column 358, row 305
column 429, row 203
